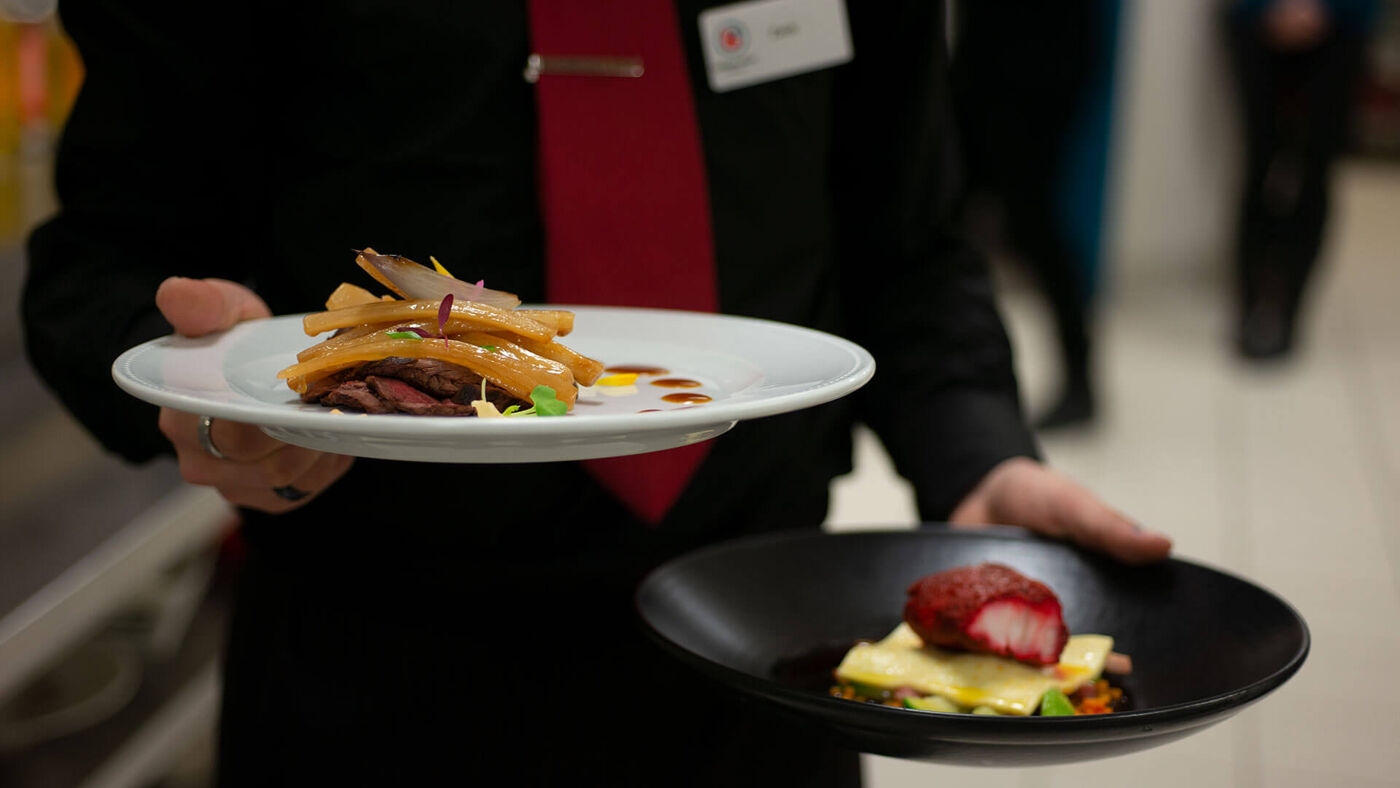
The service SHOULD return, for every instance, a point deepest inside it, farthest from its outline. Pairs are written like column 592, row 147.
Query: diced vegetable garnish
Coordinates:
column 932, row 703
column 1054, row 704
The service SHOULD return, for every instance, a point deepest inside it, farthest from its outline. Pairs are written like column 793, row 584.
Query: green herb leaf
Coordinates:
column 404, row 335
column 546, row 403
column 510, row 410
column 488, row 348
column 1054, row 704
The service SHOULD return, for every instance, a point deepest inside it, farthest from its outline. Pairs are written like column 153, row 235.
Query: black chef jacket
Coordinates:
column 263, row 143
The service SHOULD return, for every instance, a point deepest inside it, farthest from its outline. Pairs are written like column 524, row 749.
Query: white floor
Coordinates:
column 1288, row 475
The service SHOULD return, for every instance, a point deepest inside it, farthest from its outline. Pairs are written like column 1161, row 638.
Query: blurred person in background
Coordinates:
column 1021, row 75
column 397, row 620
column 1296, row 64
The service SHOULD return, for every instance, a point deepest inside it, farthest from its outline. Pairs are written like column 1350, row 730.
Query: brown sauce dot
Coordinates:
column 635, row 369
column 686, row 397
column 676, row 383
column 650, row 410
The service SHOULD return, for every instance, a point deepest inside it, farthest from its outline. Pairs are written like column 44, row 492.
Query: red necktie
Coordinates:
column 623, row 191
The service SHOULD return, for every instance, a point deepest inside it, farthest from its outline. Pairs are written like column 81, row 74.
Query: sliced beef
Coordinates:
column 419, row 386
column 355, row 395
column 316, row 391
column 405, row 398
column 440, row 379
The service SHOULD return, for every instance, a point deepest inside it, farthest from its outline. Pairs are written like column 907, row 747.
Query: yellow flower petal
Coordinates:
column 439, row 267
column 620, row 379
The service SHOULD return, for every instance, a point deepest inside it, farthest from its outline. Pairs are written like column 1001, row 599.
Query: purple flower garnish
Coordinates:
column 444, row 312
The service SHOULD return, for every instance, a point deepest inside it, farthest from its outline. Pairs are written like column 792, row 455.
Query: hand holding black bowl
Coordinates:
column 759, row 614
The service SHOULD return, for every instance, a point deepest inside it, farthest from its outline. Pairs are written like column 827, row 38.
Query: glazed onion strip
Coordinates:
column 513, row 369
column 347, row 295
column 358, row 334
column 561, row 320
column 586, row 370
column 466, row 316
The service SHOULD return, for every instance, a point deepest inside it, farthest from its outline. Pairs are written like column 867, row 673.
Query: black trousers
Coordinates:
column 1296, row 107
column 1021, row 73
column 355, row 676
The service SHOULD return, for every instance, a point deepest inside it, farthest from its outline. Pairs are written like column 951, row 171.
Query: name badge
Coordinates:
column 753, row 42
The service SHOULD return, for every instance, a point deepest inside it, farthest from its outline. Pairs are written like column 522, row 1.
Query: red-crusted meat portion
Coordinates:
column 989, row 608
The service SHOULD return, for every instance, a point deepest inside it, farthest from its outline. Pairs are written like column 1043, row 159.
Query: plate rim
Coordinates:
column 855, row 375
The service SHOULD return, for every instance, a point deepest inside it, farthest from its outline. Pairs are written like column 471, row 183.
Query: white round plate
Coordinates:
column 749, row 368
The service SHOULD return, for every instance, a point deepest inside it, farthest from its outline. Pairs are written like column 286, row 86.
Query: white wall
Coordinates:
column 1171, row 191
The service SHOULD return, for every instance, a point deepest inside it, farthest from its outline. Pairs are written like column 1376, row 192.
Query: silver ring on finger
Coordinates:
column 290, row 493
column 206, row 440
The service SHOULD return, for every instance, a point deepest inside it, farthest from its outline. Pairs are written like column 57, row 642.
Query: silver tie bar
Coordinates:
column 538, row 65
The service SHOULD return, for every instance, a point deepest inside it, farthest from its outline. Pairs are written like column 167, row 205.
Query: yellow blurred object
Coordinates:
column 40, row 74
column 620, row 379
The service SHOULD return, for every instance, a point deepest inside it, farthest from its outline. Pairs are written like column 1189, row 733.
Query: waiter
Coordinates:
column 397, row 619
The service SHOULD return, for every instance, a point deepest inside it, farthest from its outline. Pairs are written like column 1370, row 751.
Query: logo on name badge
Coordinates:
column 733, row 38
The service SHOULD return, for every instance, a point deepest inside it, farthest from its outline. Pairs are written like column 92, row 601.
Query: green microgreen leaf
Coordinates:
column 404, row 335
column 546, row 403
column 488, row 348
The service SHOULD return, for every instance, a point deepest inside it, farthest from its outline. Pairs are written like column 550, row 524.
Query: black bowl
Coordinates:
column 772, row 616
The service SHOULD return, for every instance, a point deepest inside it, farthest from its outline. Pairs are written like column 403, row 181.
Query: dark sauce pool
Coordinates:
column 815, row 671
column 686, row 398
column 636, row 369
column 676, row 383
column 812, row 670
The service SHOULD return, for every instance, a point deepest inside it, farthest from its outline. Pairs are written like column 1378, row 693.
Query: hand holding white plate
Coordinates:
column 748, row 368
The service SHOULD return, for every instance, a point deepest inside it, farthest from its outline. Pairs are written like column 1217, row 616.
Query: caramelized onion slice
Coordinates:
column 586, row 370
column 466, row 316
column 561, row 320
column 352, row 295
column 358, row 334
column 513, row 369
column 413, row 280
